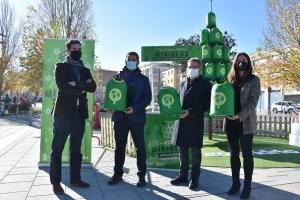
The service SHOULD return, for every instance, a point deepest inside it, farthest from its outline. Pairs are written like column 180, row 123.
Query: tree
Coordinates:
column 14, row 80
column 32, row 61
column 67, row 18
column 9, row 37
column 282, row 44
column 52, row 19
column 195, row 40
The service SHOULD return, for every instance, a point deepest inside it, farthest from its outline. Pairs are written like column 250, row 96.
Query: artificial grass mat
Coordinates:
column 216, row 152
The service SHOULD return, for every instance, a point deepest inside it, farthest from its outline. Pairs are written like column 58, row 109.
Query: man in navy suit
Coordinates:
column 133, row 119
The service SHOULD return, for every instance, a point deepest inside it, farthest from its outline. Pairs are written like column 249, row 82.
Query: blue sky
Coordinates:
column 123, row 26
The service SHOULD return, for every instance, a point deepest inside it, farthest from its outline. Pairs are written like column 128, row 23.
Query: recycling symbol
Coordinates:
column 220, row 99
column 168, row 100
column 205, row 52
column 209, row 70
column 222, row 71
column 218, row 35
column 115, row 95
column 219, row 52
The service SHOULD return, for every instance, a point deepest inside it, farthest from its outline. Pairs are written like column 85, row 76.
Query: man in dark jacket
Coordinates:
column 133, row 120
column 73, row 81
column 195, row 99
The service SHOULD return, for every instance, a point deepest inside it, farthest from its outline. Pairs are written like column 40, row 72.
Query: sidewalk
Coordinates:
column 20, row 177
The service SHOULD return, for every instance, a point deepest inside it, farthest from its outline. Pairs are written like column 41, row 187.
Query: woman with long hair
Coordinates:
column 241, row 127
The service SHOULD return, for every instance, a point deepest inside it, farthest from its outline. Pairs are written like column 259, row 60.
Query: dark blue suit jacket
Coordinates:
column 138, row 95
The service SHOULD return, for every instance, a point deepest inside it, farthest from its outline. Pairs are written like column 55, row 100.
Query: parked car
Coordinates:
column 285, row 107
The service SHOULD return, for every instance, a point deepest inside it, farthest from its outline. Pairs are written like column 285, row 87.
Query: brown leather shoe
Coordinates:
column 57, row 189
column 80, row 184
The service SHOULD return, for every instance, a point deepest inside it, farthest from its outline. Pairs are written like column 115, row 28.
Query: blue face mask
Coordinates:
column 131, row 65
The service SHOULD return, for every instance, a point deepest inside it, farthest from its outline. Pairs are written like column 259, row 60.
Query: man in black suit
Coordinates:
column 73, row 81
column 188, row 131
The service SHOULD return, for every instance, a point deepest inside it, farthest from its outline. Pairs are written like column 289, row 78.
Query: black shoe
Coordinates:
column 235, row 188
column 141, row 182
column 57, row 189
column 194, row 184
column 115, row 179
column 179, row 180
column 79, row 184
column 246, row 193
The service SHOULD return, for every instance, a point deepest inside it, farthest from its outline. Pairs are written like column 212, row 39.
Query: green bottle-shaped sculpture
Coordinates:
column 222, row 100
column 205, row 36
column 211, row 20
column 206, row 53
column 208, row 70
column 217, row 53
column 169, row 104
column 220, row 71
column 115, row 95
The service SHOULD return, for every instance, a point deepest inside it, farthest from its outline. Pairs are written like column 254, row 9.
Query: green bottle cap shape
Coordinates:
column 167, row 100
column 115, row 95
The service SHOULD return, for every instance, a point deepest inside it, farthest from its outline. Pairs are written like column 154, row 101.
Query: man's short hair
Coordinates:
column 195, row 59
column 71, row 42
column 132, row 53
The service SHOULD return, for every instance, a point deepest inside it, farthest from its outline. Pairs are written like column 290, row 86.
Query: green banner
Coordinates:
column 170, row 53
column 55, row 52
column 160, row 152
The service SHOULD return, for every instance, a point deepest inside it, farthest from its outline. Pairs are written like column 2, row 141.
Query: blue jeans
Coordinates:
column 63, row 127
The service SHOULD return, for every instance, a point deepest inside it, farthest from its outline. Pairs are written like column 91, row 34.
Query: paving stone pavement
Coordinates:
column 21, row 178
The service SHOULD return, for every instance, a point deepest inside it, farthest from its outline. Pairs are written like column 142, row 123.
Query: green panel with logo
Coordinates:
column 222, row 100
column 169, row 104
column 115, row 95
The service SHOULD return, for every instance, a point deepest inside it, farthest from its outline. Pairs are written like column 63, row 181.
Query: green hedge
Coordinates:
column 12, row 109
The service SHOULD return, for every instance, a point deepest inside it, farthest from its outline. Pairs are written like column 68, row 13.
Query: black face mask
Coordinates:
column 243, row 66
column 76, row 55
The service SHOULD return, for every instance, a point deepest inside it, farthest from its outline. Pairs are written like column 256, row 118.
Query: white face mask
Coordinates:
column 192, row 73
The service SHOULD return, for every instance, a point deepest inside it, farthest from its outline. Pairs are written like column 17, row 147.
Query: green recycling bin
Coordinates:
column 169, row 104
column 115, row 95
column 204, row 36
column 208, row 70
column 228, row 67
column 211, row 20
column 226, row 53
column 222, row 100
column 215, row 36
column 217, row 52
column 206, row 52
column 220, row 71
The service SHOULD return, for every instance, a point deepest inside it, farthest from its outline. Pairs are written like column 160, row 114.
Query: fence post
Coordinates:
column 30, row 116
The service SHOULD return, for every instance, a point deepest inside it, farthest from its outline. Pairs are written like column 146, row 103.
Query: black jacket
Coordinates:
column 196, row 99
column 66, row 102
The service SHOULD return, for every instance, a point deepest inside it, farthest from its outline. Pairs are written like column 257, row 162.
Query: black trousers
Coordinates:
column 63, row 127
column 136, row 129
column 184, row 162
column 235, row 140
